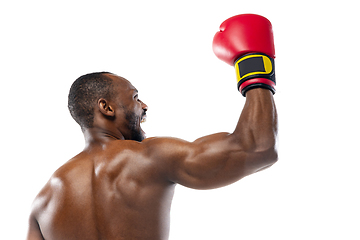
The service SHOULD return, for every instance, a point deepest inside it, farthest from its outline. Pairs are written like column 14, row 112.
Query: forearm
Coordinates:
column 257, row 127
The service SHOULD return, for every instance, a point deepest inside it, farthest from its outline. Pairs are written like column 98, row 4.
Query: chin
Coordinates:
column 139, row 139
column 138, row 136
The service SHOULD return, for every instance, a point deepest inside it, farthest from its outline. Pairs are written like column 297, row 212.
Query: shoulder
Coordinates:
column 54, row 186
column 42, row 200
column 165, row 147
column 149, row 147
column 127, row 158
column 168, row 153
column 156, row 156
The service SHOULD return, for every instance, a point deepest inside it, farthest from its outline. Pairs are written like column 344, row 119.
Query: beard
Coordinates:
column 136, row 133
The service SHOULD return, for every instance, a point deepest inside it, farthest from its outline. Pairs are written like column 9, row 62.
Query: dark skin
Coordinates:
column 118, row 188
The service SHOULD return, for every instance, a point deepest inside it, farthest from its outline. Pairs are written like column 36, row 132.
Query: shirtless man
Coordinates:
column 121, row 185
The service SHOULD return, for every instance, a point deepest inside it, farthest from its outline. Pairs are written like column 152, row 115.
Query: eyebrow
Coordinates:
column 135, row 91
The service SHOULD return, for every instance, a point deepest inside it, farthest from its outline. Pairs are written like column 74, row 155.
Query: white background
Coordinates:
column 164, row 49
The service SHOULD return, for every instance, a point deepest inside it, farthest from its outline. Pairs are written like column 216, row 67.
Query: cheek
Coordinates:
column 132, row 118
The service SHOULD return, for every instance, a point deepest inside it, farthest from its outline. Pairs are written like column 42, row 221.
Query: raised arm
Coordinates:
column 220, row 159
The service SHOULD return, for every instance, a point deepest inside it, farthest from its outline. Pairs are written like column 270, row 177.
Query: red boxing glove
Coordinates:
column 246, row 41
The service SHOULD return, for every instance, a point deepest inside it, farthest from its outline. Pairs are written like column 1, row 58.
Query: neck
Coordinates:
column 98, row 136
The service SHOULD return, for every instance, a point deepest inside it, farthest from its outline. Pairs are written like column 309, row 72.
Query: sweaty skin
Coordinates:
column 122, row 189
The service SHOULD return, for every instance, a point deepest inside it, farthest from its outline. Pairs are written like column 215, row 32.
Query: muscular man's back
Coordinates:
column 109, row 192
column 121, row 186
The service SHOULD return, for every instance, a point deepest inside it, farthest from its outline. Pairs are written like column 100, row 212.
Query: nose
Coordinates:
column 144, row 106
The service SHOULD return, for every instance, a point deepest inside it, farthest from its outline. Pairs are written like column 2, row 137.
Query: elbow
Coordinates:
column 266, row 148
column 266, row 157
column 270, row 156
column 273, row 155
column 270, row 150
column 262, row 153
column 266, row 143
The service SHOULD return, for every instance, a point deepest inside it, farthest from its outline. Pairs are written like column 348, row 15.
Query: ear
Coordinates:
column 105, row 108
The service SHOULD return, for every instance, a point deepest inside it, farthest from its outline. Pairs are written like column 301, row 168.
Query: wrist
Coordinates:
column 256, row 83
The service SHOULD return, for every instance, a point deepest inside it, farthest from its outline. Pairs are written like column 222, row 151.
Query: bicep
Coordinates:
column 213, row 161
column 209, row 162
